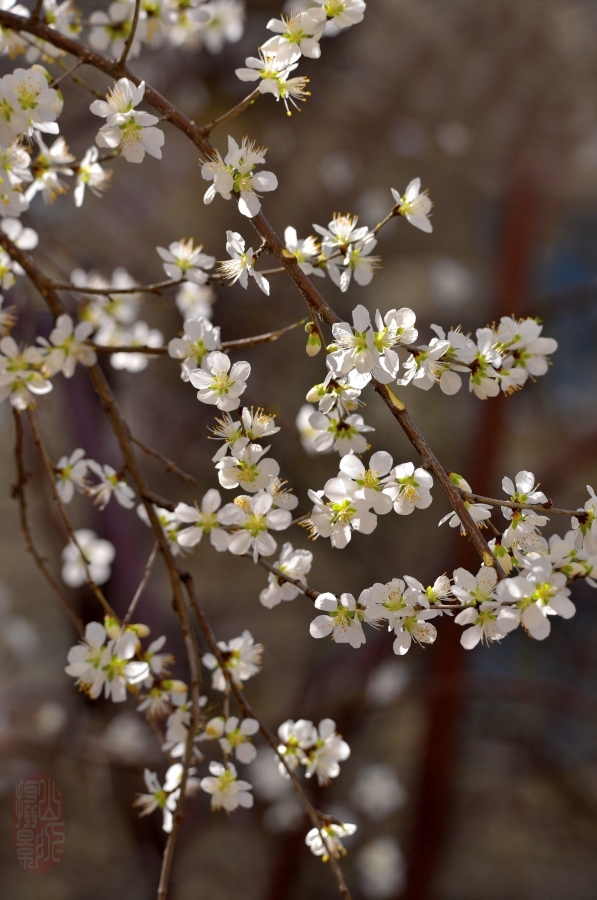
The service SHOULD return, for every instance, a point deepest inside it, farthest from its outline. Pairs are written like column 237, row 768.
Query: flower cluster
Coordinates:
column 319, row 749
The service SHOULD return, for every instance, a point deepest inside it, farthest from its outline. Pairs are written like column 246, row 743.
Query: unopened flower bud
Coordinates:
column 140, row 630
column 175, row 686
column 313, row 341
column 112, row 626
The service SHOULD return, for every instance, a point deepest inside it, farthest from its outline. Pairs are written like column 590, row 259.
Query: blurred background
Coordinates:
column 471, row 774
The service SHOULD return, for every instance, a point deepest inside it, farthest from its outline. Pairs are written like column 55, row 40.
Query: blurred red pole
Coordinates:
column 447, row 658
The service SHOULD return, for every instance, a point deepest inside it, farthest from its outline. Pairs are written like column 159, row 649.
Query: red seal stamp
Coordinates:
column 38, row 828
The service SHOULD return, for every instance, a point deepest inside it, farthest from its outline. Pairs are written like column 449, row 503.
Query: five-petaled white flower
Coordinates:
column 109, row 484
column 489, row 622
column 67, row 346
column 241, row 264
column 99, row 555
column 370, row 481
column 85, row 657
column 342, row 514
column 183, row 260
column 327, row 840
column 251, row 531
column 234, row 174
column 227, row 791
column 414, row 205
column 343, row 618
column 297, row 36
column 127, row 129
column 236, row 738
column 329, row 750
column 199, row 339
column 408, row 488
column 241, row 657
column 218, row 384
column 246, row 468
column 22, row 374
column 294, row 563
column 70, row 474
column 90, row 173
column 343, row 435
column 208, row 519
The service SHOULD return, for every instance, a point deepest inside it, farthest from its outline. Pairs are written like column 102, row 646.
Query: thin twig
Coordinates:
column 167, row 463
column 391, row 215
column 318, row 820
column 56, row 81
column 224, row 345
column 261, row 338
column 142, row 585
column 195, row 668
column 511, row 504
column 47, row 462
column 305, row 589
column 156, row 288
column 131, row 37
column 227, row 116
column 18, row 492
column 37, row 9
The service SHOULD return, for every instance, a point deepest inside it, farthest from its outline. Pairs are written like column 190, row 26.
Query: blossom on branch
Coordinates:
column 218, row 384
column 234, row 174
column 242, row 660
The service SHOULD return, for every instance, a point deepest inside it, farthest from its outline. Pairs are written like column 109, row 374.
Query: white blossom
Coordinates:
column 208, row 519
column 414, row 205
column 414, row 627
column 91, row 174
column 344, row 13
column 584, row 524
column 109, row 31
column 22, row 374
column 370, row 481
column 408, row 488
column 71, row 473
column 294, row 563
column 327, row 840
column 98, row 553
column 343, row 618
column 241, row 264
column 49, row 164
column 489, row 622
column 305, row 251
column 537, row 594
column 67, row 346
column 342, row 514
column 236, row 738
column 117, row 669
column 224, row 23
column 242, row 659
column 38, row 105
column 329, row 751
column 247, row 468
column 183, row 260
column 218, row 384
column 85, row 657
column 343, row 435
column 234, row 174
column 251, row 532
column 227, row 791
column 199, row 339
column 297, row 36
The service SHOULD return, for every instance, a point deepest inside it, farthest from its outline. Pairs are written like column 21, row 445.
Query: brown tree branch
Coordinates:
column 47, row 463
column 18, row 492
column 318, row 819
column 167, row 463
